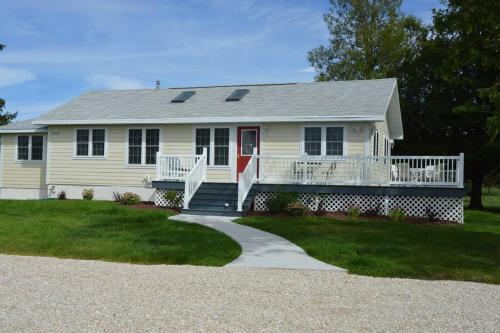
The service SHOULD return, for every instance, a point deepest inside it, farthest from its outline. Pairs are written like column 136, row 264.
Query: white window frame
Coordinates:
column 212, row 145
column 29, row 160
column 375, row 143
column 89, row 155
column 143, row 147
column 323, row 139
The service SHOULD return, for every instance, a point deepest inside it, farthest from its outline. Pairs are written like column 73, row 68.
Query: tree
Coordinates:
column 467, row 37
column 5, row 117
column 368, row 39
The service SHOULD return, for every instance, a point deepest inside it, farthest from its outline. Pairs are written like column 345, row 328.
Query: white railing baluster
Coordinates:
column 247, row 178
column 195, row 178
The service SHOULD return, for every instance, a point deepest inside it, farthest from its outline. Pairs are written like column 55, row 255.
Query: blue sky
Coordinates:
column 59, row 49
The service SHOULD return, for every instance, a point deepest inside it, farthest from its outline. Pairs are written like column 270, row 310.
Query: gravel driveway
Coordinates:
column 53, row 295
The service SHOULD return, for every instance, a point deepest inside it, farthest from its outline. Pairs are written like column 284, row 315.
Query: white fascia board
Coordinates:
column 14, row 131
column 207, row 120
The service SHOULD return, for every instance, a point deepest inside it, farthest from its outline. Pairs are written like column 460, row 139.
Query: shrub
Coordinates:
column 173, row 199
column 88, row 194
column 279, row 202
column 117, row 197
column 61, row 195
column 354, row 212
column 129, row 198
column 431, row 214
column 374, row 210
column 321, row 210
column 297, row 209
column 397, row 214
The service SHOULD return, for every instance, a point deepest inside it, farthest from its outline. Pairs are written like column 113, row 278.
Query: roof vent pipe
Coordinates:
column 157, row 84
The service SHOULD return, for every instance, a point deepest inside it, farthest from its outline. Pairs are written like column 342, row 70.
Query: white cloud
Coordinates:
column 12, row 76
column 114, row 82
column 307, row 70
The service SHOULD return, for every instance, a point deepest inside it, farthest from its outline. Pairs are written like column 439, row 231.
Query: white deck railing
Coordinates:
column 195, row 178
column 246, row 179
column 174, row 167
column 362, row 170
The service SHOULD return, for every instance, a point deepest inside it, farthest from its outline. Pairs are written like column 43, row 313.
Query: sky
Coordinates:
column 59, row 49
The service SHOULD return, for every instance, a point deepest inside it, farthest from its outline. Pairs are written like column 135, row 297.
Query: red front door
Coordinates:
column 248, row 138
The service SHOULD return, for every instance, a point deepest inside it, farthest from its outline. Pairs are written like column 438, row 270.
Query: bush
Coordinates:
column 173, row 199
column 354, row 212
column 397, row 214
column 88, row 194
column 297, row 209
column 117, row 197
column 279, row 202
column 321, row 210
column 431, row 214
column 61, row 195
column 374, row 210
column 129, row 198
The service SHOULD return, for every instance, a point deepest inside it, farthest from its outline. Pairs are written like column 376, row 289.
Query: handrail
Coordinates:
column 195, row 178
column 174, row 167
column 246, row 179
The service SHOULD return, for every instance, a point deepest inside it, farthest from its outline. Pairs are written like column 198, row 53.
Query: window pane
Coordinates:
column 248, row 141
column 152, row 145
column 135, row 146
column 334, row 141
column 98, row 138
column 37, row 147
column 82, row 142
column 221, row 146
column 312, row 140
column 203, row 140
column 22, row 147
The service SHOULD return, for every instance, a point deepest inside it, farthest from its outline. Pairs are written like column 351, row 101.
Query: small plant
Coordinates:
column 61, row 195
column 397, row 214
column 129, row 198
column 321, row 210
column 373, row 211
column 431, row 214
column 173, row 199
column 297, row 209
column 279, row 202
column 117, row 197
column 88, row 194
column 354, row 212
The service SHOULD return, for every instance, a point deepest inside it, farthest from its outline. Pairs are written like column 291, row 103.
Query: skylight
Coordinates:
column 183, row 96
column 237, row 95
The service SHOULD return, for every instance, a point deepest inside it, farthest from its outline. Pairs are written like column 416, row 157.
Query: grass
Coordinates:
column 469, row 252
column 110, row 232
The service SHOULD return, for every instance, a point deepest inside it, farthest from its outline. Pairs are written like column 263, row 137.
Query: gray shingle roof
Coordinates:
column 24, row 125
column 363, row 99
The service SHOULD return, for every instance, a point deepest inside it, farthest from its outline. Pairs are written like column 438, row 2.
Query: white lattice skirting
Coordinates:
column 447, row 208
column 160, row 197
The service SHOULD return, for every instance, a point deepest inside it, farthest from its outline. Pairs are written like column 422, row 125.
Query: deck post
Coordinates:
column 460, row 171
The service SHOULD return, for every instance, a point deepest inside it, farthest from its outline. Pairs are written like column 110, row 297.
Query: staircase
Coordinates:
column 219, row 199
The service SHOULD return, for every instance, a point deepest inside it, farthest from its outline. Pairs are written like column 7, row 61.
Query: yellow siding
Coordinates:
column 20, row 174
column 285, row 139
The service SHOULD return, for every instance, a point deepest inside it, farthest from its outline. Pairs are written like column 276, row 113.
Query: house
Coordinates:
column 224, row 148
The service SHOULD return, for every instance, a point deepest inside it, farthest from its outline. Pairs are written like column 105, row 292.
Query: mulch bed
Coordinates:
column 343, row 216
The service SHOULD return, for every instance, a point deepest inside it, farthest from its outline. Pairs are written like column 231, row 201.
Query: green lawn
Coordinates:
column 469, row 252
column 107, row 231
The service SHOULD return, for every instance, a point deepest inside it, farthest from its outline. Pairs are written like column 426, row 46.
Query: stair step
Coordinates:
column 214, row 201
column 219, row 185
column 215, row 213
column 217, row 191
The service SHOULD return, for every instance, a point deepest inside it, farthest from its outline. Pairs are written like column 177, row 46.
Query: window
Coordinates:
column 90, row 142
column 375, row 143
column 216, row 140
column 30, row 147
column 312, row 140
column 335, row 141
column 221, row 146
column 323, row 141
column 203, row 141
column 143, row 144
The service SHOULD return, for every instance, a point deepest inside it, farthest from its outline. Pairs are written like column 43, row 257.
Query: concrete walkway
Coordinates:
column 259, row 248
